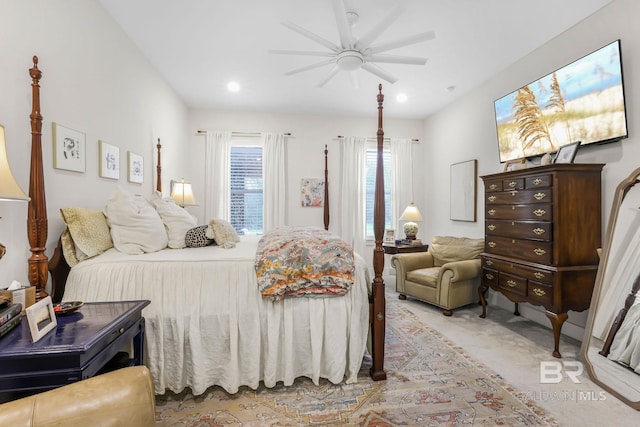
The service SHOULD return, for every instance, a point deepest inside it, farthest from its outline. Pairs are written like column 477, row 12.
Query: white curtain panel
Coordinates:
column 401, row 179
column 216, row 175
column 274, row 188
column 352, row 195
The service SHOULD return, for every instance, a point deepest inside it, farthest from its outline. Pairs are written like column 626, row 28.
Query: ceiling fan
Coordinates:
column 353, row 54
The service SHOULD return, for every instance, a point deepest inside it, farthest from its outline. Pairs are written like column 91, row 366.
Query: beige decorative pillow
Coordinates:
column 89, row 231
column 68, row 248
column 223, row 233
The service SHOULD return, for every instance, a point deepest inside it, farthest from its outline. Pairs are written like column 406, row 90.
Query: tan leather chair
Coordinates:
column 123, row 397
column 448, row 275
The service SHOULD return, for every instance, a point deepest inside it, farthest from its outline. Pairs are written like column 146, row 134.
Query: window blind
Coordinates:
column 246, row 189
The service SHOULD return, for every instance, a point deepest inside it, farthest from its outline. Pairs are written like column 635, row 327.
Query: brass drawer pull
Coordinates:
column 492, row 198
column 537, row 181
column 538, row 275
column 492, row 244
column 511, row 283
column 493, row 186
column 489, row 276
column 539, row 196
column 491, row 212
column 539, row 251
column 512, row 184
column 539, row 212
column 539, row 292
column 489, row 262
column 491, row 227
column 538, row 231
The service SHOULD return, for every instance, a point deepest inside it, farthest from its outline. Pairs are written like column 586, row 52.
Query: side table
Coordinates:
column 392, row 249
column 82, row 343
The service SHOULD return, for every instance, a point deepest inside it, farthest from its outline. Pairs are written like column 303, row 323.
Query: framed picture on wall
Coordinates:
column 69, row 148
column 109, row 160
column 463, row 191
column 136, row 167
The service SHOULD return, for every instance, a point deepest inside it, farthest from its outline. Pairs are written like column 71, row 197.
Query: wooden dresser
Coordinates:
column 542, row 230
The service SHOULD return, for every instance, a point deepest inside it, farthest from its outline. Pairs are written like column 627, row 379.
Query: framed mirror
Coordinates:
column 611, row 346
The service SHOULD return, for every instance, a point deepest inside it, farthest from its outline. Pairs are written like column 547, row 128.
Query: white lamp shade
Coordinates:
column 411, row 213
column 182, row 193
column 9, row 188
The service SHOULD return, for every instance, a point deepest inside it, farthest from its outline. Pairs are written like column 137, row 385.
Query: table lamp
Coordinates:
column 411, row 214
column 9, row 188
column 182, row 193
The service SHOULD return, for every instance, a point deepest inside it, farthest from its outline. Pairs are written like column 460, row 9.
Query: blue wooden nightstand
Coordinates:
column 82, row 343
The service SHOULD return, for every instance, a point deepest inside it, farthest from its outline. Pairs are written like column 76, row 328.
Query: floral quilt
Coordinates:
column 303, row 261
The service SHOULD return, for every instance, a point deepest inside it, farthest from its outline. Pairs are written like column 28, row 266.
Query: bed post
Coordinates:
column 378, row 314
column 37, row 208
column 326, row 188
column 159, row 169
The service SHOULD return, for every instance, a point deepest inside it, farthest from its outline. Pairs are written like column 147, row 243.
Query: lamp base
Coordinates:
column 410, row 230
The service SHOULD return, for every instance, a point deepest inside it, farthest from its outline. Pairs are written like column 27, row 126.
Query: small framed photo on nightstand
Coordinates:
column 389, row 236
column 42, row 318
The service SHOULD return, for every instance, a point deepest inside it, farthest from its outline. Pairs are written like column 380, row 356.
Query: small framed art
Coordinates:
column 68, row 149
column 389, row 236
column 136, row 167
column 311, row 192
column 41, row 318
column 567, row 153
column 109, row 161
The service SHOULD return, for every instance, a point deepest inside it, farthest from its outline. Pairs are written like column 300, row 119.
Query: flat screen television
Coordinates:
column 582, row 101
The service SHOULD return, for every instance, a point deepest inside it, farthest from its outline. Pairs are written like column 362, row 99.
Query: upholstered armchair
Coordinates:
column 119, row 398
column 447, row 275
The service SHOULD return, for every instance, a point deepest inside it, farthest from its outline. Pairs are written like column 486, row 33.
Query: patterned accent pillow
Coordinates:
column 89, row 231
column 197, row 237
column 223, row 233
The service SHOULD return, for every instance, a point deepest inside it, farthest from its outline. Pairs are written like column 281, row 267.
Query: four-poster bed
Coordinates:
column 169, row 329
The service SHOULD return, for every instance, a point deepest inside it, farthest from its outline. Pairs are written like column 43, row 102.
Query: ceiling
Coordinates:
column 201, row 45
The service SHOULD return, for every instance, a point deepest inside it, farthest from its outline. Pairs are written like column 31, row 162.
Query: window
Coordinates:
column 246, row 189
column 371, row 188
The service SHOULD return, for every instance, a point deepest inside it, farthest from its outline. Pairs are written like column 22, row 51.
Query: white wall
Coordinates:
column 466, row 130
column 95, row 81
column 305, row 151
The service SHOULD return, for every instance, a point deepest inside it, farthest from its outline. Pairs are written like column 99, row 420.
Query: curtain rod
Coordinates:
column 375, row 138
column 204, row 132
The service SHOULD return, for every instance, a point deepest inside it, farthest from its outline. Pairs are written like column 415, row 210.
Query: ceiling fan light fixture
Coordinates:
column 349, row 60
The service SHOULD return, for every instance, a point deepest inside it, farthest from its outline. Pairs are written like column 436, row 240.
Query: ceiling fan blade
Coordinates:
column 310, row 67
column 396, row 59
column 308, row 34
column 344, row 28
column 329, row 76
column 373, row 34
column 429, row 35
column 301, row 52
column 377, row 71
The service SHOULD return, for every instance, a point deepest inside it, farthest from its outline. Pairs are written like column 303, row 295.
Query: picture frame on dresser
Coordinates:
column 567, row 153
column 41, row 318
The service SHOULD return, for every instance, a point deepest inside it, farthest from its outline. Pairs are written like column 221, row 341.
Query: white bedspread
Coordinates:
column 207, row 323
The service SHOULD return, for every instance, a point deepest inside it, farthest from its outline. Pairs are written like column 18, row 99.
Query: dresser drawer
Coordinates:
column 513, row 184
column 492, row 186
column 527, row 250
column 539, row 212
column 543, row 195
column 538, row 181
column 536, row 230
column 540, row 293
column 531, row 273
column 490, row 277
column 511, row 283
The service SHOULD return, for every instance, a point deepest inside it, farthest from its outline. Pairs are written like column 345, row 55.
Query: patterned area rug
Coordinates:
column 430, row 382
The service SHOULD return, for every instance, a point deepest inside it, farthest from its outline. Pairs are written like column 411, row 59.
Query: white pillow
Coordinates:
column 176, row 220
column 135, row 225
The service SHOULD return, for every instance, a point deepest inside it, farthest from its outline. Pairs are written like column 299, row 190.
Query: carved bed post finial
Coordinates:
column 159, row 169
column 326, row 188
column 379, row 307
column 37, row 209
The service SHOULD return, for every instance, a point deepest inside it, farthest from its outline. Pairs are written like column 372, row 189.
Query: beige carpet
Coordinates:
column 431, row 382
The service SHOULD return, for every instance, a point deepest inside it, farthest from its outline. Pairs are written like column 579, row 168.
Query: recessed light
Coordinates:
column 401, row 97
column 233, row 87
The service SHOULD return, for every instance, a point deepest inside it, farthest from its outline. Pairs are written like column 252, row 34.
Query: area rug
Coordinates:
column 430, row 382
